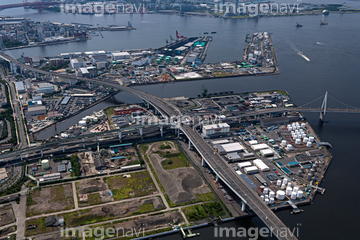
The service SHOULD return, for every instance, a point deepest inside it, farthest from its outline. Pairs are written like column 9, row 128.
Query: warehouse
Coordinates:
column 244, row 164
column 261, row 165
column 77, row 63
column 251, row 170
column 20, row 87
column 120, row 56
column 267, row 152
column 65, row 100
column 45, row 88
column 247, row 156
column 253, row 142
column 223, row 141
column 233, row 157
column 215, row 128
column 260, row 146
column 232, row 147
column 35, row 111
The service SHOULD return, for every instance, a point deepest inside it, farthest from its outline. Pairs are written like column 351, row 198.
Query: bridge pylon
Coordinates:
column 324, row 106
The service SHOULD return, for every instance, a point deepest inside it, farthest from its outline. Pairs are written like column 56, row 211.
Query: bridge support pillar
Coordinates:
column 63, row 148
column 120, row 136
column 243, row 206
column 162, row 130
column 178, row 133
column 89, row 85
column 239, row 120
column 189, row 144
column 53, row 79
column 217, row 178
column 98, row 147
column 203, row 163
column 37, row 76
column 97, row 139
column 21, row 158
column 41, row 153
column 141, row 131
column 21, row 71
column 70, row 82
column 83, row 145
column 324, row 106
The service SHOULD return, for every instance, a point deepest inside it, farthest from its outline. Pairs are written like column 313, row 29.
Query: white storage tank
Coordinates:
column 283, row 143
column 305, row 140
column 288, row 191
column 303, row 125
column 283, row 186
column 271, row 194
column 303, row 135
column 266, row 190
column 290, row 129
column 285, row 181
column 278, row 182
column 289, row 184
column 45, row 164
column 266, row 201
column 280, row 195
column 262, row 197
column 308, row 144
column 311, row 139
column 297, row 141
column 293, row 195
column 299, row 194
column 296, row 189
column 289, row 147
column 272, row 200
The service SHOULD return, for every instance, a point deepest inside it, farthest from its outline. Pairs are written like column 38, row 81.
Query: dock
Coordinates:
column 189, row 234
column 295, row 208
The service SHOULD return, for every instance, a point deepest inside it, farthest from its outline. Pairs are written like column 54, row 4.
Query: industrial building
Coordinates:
column 61, row 168
column 35, row 111
column 120, row 56
column 260, row 146
column 215, row 128
column 267, row 152
column 45, row 88
column 261, row 165
column 77, row 63
column 232, row 147
column 20, row 87
column 251, row 170
column 244, row 164
column 65, row 100
column 233, row 157
column 50, row 177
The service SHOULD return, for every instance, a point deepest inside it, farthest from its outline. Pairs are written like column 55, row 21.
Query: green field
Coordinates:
column 203, row 211
column 139, row 184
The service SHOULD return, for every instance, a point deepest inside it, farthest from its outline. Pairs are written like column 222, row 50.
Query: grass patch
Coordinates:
column 139, row 184
column 195, row 213
column 40, row 227
column 204, row 197
column 109, row 113
column 94, row 198
column 143, row 148
column 145, row 209
column 214, row 209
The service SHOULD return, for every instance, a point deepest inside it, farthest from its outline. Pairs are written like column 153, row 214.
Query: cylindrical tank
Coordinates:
column 303, row 125
column 303, row 135
column 266, row 196
column 299, row 194
column 308, row 144
column 293, row 195
column 278, row 182
column 285, row 181
column 298, row 127
column 289, row 184
column 309, row 177
column 283, row 186
column 297, row 141
column 272, row 200
column 280, row 195
column 45, row 164
column 267, row 201
column 283, row 143
column 288, row 191
column 312, row 171
column 262, row 197
column 302, row 169
column 271, row 194
column 296, row 189
column 266, row 190
column 311, row 139
column 289, row 147
column 305, row 140
column 290, row 129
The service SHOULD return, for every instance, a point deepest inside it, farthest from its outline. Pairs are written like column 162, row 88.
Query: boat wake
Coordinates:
column 299, row 52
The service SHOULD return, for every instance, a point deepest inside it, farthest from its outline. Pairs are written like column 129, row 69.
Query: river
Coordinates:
column 333, row 52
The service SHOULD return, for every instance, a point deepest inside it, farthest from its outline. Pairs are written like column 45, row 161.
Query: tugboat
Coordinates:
column 298, row 25
column 323, row 23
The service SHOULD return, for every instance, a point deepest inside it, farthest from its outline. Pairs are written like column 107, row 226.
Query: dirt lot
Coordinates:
column 181, row 184
column 112, row 211
column 93, row 191
column 130, row 155
column 139, row 184
column 6, row 215
column 6, row 231
column 50, row 199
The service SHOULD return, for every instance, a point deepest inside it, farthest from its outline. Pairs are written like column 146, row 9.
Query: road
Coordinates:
column 18, row 113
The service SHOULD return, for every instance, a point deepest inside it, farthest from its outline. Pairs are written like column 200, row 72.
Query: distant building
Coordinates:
column 100, row 163
column 77, row 63
column 99, row 58
column 50, row 221
column 45, row 88
column 35, row 111
column 120, row 56
column 56, row 61
column 20, row 87
column 216, row 129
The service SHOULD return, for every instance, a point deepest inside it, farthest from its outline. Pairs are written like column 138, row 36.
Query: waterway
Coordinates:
column 333, row 52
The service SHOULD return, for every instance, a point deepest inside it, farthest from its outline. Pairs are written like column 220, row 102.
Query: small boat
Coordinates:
column 213, row 32
column 323, row 23
column 298, row 25
column 206, row 33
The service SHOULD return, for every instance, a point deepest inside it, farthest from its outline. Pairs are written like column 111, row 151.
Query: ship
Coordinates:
column 325, row 12
column 323, row 23
column 298, row 25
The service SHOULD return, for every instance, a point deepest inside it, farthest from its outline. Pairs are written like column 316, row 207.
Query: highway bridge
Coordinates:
column 213, row 160
column 38, row 5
